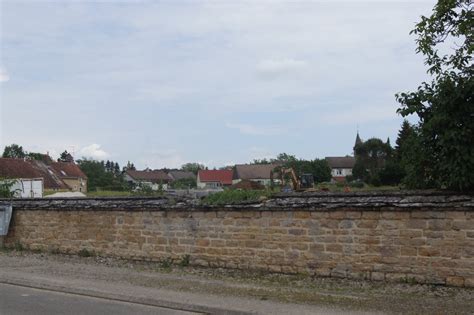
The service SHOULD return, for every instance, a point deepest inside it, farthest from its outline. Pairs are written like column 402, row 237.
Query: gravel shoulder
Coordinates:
column 216, row 290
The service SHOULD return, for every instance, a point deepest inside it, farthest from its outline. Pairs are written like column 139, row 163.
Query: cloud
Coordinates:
column 248, row 129
column 94, row 151
column 358, row 115
column 4, row 77
column 164, row 158
column 272, row 68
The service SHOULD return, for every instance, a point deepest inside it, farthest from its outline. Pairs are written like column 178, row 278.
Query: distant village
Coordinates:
column 37, row 175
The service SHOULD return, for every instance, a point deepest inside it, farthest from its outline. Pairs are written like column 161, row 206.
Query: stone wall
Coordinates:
column 419, row 237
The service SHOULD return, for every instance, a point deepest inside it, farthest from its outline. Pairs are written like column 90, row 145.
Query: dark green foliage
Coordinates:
column 166, row 262
column 261, row 161
column 6, row 190
column 184, row 183
column 99, row 178
column 14, row 151
column 185, row 260
column 66, row 157
column 85, row 253
column 406, row 131
column 235, row 197
column 392, row 173
column 319, row 168
column 193, row 167
column 371, row 157
column 444, row 156
column 130, row 166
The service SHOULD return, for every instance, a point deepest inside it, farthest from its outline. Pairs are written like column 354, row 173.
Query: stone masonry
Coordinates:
column 419, row 237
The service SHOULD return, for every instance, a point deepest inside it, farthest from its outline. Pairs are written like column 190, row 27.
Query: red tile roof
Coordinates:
column 20, row 168
column 67, row 170
column 222, row 176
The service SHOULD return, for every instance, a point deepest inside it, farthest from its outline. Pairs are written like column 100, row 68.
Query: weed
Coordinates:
column 55, row 251
column 185, row 261
column 85, row 253
column 19, row 247
column 166, row 262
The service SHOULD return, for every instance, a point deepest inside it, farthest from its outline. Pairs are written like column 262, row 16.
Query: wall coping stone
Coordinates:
column 314, row 201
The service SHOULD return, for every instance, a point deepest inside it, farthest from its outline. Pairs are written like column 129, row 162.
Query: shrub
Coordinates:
column 85, row 253
column 235, row 197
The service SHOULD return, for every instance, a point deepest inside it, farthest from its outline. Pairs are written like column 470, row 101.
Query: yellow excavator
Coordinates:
column 291, row 182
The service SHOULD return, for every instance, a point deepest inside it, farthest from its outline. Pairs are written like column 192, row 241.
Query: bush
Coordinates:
column 85, row 253
column 235, row 197
column 357, row 184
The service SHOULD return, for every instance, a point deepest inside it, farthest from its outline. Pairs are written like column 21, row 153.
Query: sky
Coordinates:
column 162, row 83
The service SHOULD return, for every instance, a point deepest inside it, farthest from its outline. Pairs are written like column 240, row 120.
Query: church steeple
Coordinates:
column 357, row 142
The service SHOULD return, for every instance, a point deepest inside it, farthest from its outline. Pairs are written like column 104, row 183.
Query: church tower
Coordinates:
column 358, row 141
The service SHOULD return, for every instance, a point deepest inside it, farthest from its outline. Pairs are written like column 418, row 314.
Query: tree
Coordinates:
column 129, row 166
column 445, row 132
column 99, row 178
column 406, row 131
column 14, row 151
column 371, row 157
column 193, row 167
column 319, row 168
column 66, row 157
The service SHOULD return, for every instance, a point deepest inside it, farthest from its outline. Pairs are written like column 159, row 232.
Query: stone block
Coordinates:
column 455, row 281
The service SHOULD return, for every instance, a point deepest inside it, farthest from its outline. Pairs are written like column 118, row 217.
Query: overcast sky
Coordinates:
column 161, row 83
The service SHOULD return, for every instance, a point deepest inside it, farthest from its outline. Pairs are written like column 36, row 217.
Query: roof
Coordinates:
column 340, row 161
column 222, row 176
column 254, row 171
column 177, row 175
column 154, row 176
column 21, row 168
column 248, row 185
column 67, row 170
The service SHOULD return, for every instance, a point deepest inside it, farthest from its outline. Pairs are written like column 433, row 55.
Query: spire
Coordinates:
column 357, row 142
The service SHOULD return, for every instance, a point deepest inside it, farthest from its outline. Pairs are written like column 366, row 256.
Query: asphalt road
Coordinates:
column 22, row 300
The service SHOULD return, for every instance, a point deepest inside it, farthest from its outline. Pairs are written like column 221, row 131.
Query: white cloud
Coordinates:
column 248, row 129
column 164, row 158
column 358, row 115
column 94, row 151
column 272, row 68
column 4, row 77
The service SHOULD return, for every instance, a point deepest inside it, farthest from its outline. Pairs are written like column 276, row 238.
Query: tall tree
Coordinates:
column 66, row 157
column 406, row 131
column 14, row 151
column 192, row 167
column 371, row 157
column 445, row 143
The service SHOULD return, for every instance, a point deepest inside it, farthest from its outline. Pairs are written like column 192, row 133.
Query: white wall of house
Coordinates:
column 341, row 172
column 205, row 185
column 28, row 188
column 154, row 186
column 264, row 182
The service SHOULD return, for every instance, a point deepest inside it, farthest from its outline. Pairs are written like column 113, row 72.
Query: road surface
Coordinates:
column 23, row 300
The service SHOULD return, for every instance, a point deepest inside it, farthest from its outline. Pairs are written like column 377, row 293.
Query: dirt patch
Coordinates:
column 378, row 297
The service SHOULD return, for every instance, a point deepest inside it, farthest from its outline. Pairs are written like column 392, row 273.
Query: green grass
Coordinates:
column 236, row 196
column 338, row 187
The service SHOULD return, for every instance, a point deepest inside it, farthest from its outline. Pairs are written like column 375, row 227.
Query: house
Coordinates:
column 155, row 179
column 71, row 175
column 56, row 175
column 263, row 174
column 178, row 175
column 341, row 166
column 214, row 178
